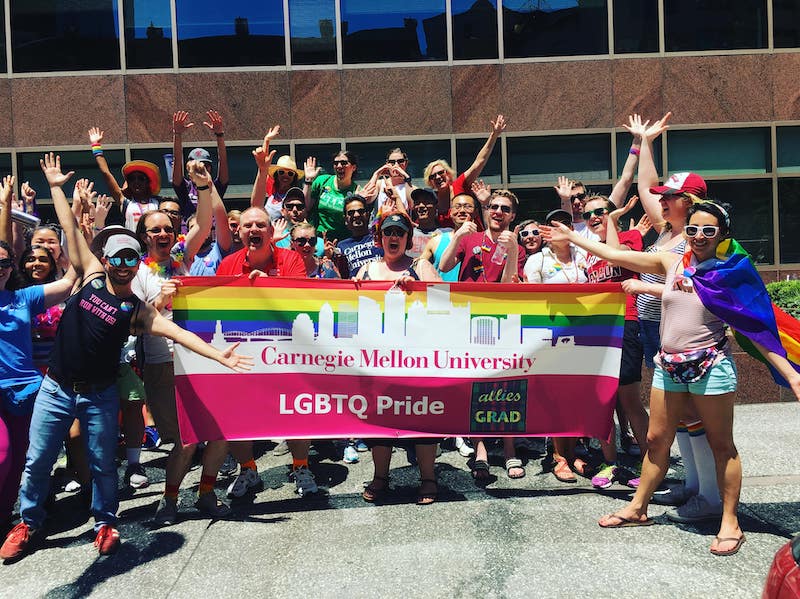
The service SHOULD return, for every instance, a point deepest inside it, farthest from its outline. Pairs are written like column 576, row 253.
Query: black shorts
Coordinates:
column 630, row 369
column 402, row 443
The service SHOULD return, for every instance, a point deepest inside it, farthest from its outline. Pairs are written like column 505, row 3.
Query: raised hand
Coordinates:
column 180, row 122
column 95, row 135
column 311, row 169
column 279, row 228
column 498, row 125
column 619, row 212
column 6, row 189
column 644, row 225
column 482, row 191
column 263, row 156
column 28, row 194
column 658, row 127
column 51, row 167
column 214, row 122
column 198, row 173
column 101, row 210
column 564, row 188
column 273, row 132
column 369, row 191
column 636, row 126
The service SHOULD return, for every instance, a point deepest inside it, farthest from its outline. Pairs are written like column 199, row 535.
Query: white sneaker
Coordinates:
column 697, row 509
column 136, row 476
column 350, row 455
column 72, row 486
column 304, row 480
column 464, row 448
column 247, row 480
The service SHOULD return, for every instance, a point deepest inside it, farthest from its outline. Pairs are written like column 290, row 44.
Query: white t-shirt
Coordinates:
column 134, row 211
column 583, row 230
column 544, row 267
column 401, row 194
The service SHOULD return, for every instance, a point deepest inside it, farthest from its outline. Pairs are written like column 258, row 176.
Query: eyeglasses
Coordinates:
column 529, row 233
column 393, row 232
column 356, row 211
column 6, row 263
column 577, row 196
column 341, row 162
column 708, row 231
column 596, row 212
column 295, row 207
column 392, row 161
column 157, row 230
column 305, row 240
column 467, row 207
column 171, row 212
column 502, row 207
column 438, row 175
column 117, row 261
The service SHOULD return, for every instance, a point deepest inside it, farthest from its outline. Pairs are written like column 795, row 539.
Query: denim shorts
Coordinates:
column 720, row 379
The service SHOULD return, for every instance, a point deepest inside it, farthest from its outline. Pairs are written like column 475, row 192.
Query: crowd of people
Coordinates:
column 87, row 333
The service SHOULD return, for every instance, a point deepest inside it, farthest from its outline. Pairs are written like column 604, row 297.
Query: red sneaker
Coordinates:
column 17, row 541
column 107, row 539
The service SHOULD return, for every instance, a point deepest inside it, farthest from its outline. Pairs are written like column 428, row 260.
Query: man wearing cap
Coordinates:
column 293, row 212
column 82, row 372
column 359, row 248
column 424, row 215
column 184, row 188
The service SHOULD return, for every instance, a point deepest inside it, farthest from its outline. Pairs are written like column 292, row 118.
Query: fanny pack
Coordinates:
column 18, row 399
column 690, row 366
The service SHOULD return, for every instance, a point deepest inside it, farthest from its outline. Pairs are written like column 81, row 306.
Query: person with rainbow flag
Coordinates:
column 712, row 284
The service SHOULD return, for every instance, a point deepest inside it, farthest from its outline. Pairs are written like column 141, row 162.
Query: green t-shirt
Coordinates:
column 328, row 215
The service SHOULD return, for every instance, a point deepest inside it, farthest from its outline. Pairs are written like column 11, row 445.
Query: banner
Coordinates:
column 335, row 359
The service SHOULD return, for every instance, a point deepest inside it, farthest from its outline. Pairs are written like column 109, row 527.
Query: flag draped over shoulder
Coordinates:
column 732, row 290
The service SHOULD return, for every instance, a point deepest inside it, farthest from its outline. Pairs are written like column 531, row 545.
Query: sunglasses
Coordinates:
column 529, row 233
column 117, row 261
column 392, row 161
column 708, row 231
column 341, row 162
column 356, row 211
column 501, row 207
column 438, row 175
column 305, row 240
column 6, row 263
column 577, row 196
column 157, row 230
column 280, row 172
column 292, row 207
column 596, row 212
column 394, row 232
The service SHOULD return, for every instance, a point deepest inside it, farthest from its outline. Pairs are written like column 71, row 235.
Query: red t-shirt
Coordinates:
column 600, row 271
column 284, row 263
column 475, row 253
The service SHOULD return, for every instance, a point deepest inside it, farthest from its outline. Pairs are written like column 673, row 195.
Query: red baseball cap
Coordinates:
column 682, row 183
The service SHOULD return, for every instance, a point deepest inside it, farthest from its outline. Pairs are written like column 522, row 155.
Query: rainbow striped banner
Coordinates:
column 336, row 359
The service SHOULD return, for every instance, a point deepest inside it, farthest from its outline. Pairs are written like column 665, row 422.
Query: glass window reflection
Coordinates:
column 467, row 150
column 554, row 28
column 786, row 19
column 313, row 28
column 720, row 151
column 788, row 139
column 80, row 161
column 148, row 34
column 474, row 29
column 371, row 155
column 751, row 214
column 544, row 159
column 230, row 34
column 385, row 31
column 48, row 35
column 789, row 219
column 691, row 25
column 635, row 26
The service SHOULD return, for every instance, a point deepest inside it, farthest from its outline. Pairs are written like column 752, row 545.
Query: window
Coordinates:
column 313, row 30
column 635, row 26
column 751, row 214
column 786, row 19
column 242, row 168
column 371, row 155
column 543, row 159
column 322, row 152
column 788, row 149
column 230, row 34
column 691, row 25
column 148, row 34
column 720, row 151
column 623, row 149
column 538, row 202
column 82, row 162
column 386, row 31
column 467, row 150
column 789, row 219
column 555, row 28
column 49, row 35
column 3, row 66
column 474, row 29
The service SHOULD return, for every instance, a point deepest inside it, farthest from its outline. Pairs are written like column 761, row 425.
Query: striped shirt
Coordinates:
column 649, row 306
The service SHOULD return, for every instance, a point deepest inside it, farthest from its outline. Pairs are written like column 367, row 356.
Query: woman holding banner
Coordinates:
column 394, row 235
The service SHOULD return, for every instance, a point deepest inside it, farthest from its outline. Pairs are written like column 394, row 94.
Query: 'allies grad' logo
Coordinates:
column 498, row 406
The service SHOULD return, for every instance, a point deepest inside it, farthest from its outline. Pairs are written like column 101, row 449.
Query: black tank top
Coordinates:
column 410, row 270
column 94, row 326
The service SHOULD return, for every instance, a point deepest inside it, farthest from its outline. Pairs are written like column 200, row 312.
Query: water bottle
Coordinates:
column 23, row 218
column 499, row 255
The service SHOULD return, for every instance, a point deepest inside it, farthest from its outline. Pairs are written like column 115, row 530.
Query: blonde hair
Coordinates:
column 440, row 162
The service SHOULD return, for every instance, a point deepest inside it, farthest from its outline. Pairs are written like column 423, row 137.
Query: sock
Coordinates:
column 249, row 465
column 706, row 467
column 171, row 492
column 299, row 463
column 132, row 455
column 685, row 447
column 207, row 484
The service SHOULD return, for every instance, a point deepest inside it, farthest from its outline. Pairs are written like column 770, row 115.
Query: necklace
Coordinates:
column 164, row 272
column 560, row 267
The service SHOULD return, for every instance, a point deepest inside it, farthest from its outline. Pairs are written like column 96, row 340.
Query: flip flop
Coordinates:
column 624, row 522
column 372, row 494
column 514, row 463
column 429, row 497
column 730, row 551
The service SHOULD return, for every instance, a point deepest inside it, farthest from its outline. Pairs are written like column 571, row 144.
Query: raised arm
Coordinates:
column 263, row 157
column 96, row 139
column 6, row 230
column 311, row 171
column 81, row 257
column 474, row 171
column 201, row 228
column 620, row 191
column 224, row 235
column 648, row 175
column 180, row 123
column 612, row 230
column 218, row 129
column 564, row 190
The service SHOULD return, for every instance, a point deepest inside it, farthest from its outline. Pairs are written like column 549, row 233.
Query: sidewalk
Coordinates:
column 533, row 537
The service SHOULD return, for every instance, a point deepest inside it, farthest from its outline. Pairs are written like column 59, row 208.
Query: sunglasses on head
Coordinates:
column 529, row 233
column 341, row 162
column 708, row 231
column 577, row 196
column 157, row 230
column 393, row 232
column 305, row 240
column 596, row 212
column 118, row 261
column 501, row 207
column 392, row 161
column 6, row 263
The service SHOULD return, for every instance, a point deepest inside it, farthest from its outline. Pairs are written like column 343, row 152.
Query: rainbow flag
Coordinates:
column 335, row 359
column 730, row 288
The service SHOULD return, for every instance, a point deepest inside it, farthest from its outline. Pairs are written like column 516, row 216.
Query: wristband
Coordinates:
column 407, row 180
column 307, row 182
column 202, row 187
column 97, row 149
column 634, row 151
column 220, row 134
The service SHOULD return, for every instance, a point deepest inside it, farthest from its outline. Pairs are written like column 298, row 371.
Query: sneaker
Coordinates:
column 72, row 486
column 136, row 477
column 464, row 447
column 304, row 480
column 107, row 540
column 605, row 477
column 350, row 455
column 167, row 512
column 280, row 449
column 209, row 505
column 17, row 541
column 697, row 509
column 632, row 476
column 151, row 438
column 361, row 446
column 247, row 480
column 229, row 466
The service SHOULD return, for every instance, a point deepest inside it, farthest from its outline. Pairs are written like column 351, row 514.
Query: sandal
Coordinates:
column 372, row 493
column 512, row 464
column 581, row 467
column 563, row 472
column 480, row 470
column 429, row 497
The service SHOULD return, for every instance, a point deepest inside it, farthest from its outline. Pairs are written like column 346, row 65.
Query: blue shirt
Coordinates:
column 17, row 308
column 205, row 265
column 358, row 251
